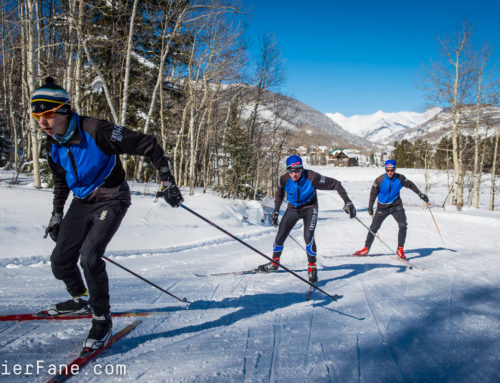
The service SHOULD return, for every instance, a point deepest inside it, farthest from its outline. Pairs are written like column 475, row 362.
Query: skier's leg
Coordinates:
column 105, row 220
column 287, row 223
column 400, row 217
column 310, row 217
column 64, row 258
column 379, row 217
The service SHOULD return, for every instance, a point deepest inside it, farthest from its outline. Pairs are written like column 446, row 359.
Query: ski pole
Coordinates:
column 144, row 279
column 380, row 239
column 257, row 251
column 297, row 242
column 435, row 223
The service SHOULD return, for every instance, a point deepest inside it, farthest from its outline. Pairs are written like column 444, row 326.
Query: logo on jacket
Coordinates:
column 117, row 133
column 103, row 215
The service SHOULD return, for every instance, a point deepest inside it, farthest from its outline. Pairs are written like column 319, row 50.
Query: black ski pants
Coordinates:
column 85, row 231
column 398, row 212
column 309, row 215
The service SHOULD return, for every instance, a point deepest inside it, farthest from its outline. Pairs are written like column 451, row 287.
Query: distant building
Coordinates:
column 338, row 157
column 317, row 155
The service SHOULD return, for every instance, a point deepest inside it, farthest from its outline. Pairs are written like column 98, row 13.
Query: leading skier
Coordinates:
column 83, row 155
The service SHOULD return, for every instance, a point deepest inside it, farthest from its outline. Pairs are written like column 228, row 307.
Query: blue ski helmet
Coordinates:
column 293, row 161
column 390, row 164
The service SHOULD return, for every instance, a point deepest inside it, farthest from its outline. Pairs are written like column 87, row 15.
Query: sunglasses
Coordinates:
column 391, row 170
column 296, row 170
column 47, row 114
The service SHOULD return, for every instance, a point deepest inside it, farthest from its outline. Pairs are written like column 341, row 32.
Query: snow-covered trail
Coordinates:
column 441, row 324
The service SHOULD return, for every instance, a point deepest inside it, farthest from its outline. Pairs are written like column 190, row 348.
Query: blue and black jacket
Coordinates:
column 89, row 164
column 303, row 192
column 387, row 190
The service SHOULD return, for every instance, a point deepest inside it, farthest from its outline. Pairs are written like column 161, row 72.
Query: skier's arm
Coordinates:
column 326, row 183
column 61, row 189
column 114, row 139
column 408, row 184
column 280, row 191
column 374, row 191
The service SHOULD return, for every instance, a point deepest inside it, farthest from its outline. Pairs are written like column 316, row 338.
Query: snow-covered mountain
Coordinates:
column 439, row 125
column 295, row 116
column 381, row 127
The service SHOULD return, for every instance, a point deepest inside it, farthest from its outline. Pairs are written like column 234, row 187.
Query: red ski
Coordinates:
column 28, row 317
column 75, row 366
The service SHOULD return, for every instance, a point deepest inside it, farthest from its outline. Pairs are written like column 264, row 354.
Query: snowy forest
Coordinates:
column 178, row 70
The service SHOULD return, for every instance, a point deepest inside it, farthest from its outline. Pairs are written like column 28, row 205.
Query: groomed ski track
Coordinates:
column 390, row 324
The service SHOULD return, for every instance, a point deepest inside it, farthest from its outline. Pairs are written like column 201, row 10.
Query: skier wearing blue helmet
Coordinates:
column 386, row 189
column 300, row 186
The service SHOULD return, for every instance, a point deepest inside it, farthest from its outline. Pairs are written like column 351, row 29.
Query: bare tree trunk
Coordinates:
column 126, row 80
column 29, row 25
column 493, row 171
column 163, row 56
column 101, row 77
column 79, row 60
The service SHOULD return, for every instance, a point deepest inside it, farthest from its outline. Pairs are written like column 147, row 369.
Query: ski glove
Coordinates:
column 350, row 209
column 274, row 218
column 370, row 211
column 54, row 225
column 171, row 192
column 423, row 197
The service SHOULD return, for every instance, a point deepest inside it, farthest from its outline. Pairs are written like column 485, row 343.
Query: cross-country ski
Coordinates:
column 73, row 368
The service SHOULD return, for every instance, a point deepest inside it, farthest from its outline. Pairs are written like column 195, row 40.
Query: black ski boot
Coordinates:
column 99, row 333
column 77, row 306
column 312, row 273
column 268, row 267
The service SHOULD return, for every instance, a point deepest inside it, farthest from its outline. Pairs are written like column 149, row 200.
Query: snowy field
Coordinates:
column 439, row 324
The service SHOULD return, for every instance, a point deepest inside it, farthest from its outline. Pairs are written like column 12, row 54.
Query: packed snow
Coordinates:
column 438, row 323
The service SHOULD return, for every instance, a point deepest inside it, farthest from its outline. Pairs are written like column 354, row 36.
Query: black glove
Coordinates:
column 370, row 211
column 274, row 218
column 171, row 192
column 350, row 209
column 423, row 197
column 54, row 225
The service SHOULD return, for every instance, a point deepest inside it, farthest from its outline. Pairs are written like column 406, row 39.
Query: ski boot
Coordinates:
column 312, row 273
column 401, row 253
column 361, row 253
column 99, row 334
column 268, row 267
column 76, row 306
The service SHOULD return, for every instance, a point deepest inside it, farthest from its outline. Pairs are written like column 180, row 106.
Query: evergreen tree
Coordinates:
column 404, row 154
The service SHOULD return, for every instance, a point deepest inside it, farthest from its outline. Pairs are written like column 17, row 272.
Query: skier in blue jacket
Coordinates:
column 386, row 189
column 83, row 155
column 300, row 186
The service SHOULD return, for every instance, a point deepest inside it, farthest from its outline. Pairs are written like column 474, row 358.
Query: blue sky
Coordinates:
column 358, row 57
